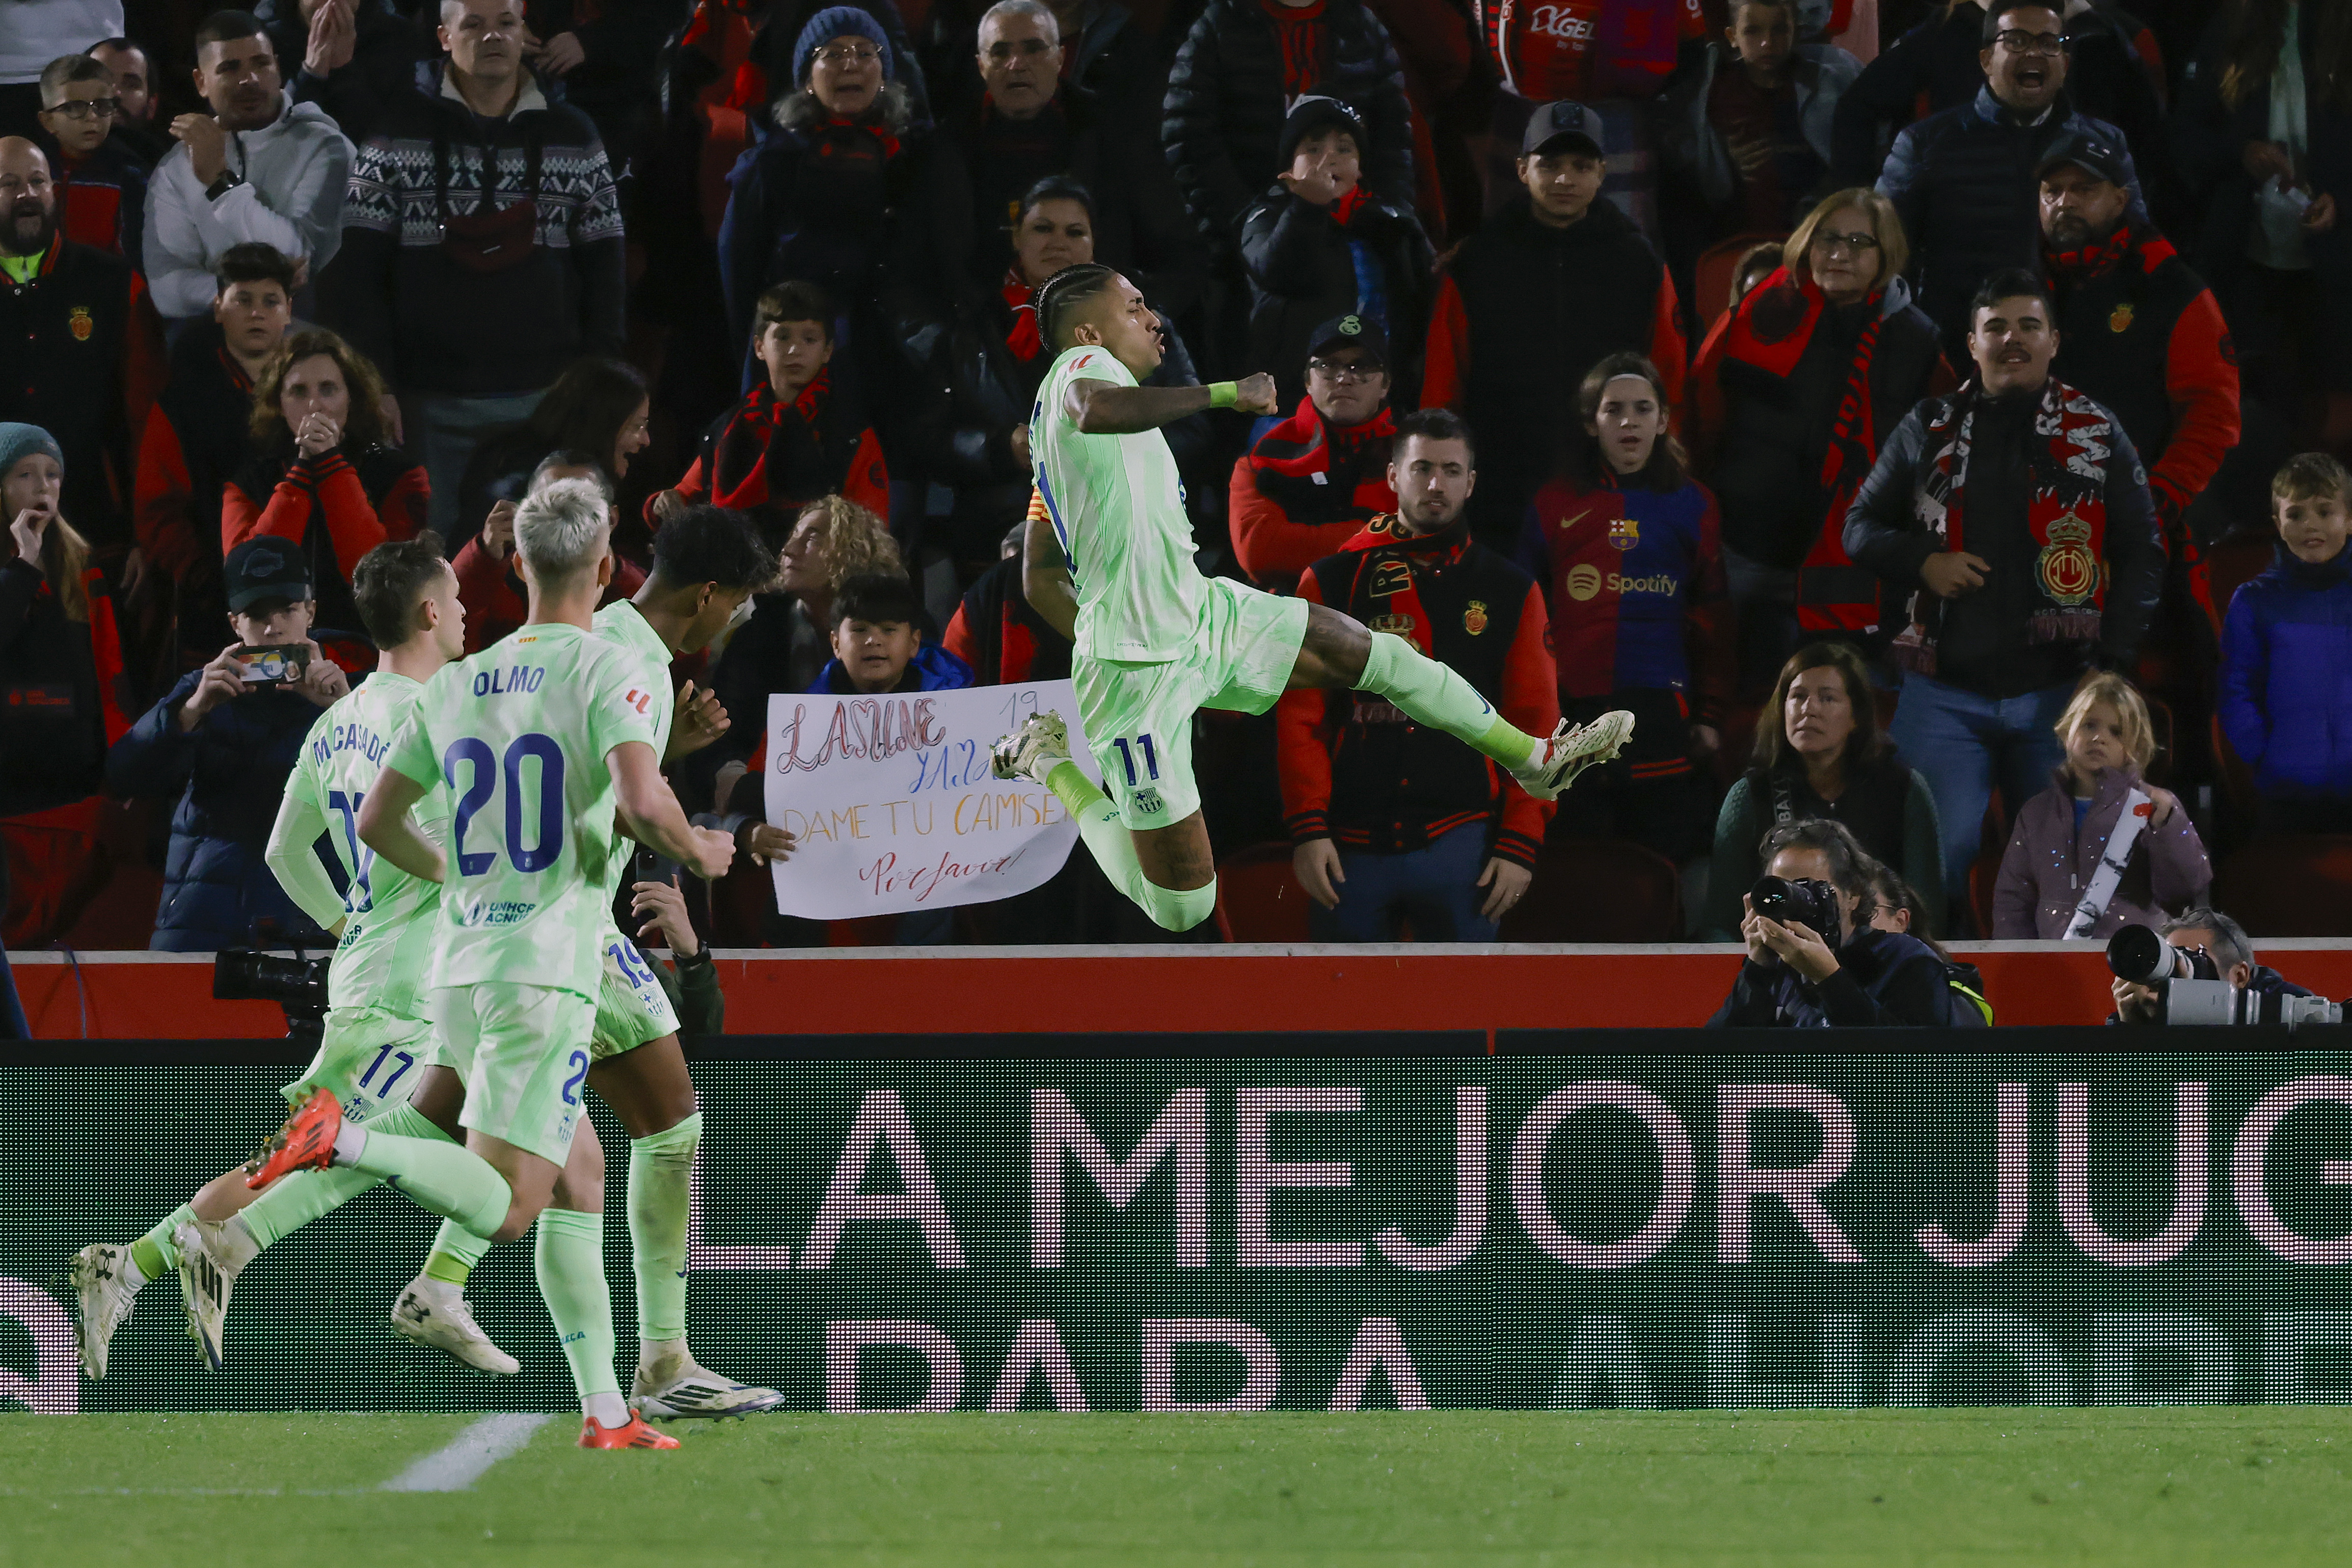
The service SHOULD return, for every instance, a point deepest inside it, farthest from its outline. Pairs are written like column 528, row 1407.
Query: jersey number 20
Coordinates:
column 482, row 781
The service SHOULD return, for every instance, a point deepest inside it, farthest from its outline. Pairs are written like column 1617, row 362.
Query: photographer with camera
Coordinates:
column 2203, row 945
column 223, row 740
column 1813, row 960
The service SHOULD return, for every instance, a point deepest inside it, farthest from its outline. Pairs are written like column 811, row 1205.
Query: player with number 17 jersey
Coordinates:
column 376, row 982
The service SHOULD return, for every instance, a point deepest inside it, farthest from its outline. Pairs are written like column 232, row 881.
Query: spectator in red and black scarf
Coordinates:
column 323, row 474
column 2140, row 333
column 975, row 437
column 489, row 573
column 1391, row 823
column 996, row 632
column 1792, row 396
column 796, row 435
column 1309, row 484
column 1626, row 545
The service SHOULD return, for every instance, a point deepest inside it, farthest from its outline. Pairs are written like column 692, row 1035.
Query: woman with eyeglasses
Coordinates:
column 846, row 189
column 1795, row 389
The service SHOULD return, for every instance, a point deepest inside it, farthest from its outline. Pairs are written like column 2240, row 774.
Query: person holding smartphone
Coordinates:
column 223, row 740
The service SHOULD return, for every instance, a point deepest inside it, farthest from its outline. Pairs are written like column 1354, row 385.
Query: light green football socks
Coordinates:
column 436, row 1174
column 289, row 1204
column 567, row 1253
column 1434, row 694
column 661, row 1192
column 154, row 1252
column 1113, row 847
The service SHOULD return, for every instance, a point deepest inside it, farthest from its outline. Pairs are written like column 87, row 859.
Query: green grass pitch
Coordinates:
column 2144, row 1486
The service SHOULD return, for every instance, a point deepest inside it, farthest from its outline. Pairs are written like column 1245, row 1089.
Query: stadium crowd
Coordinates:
column 1925, row 415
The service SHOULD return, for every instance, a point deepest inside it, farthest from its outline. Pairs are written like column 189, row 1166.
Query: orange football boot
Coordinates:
column 635, row 1435
column 306, row 1142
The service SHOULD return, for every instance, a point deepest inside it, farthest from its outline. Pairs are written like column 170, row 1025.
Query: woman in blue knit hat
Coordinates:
column 61, row 705
column 844, row 190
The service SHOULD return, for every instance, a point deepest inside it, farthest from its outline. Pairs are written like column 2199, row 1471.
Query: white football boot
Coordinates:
column 211, row 1255
column 102, row 1298
column 1570, row 750
column 434, row 1313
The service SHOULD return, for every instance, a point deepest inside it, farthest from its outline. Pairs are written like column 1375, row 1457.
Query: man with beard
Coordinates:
column 2138, row 330
column 84, row 356
column 1393, row 822
column 260, row 169
column 1959, row 179
column 2015, row 513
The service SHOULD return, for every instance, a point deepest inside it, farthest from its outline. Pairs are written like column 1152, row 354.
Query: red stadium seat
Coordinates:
column 2286, row 884
column 1258, row 898
column 1599, row 890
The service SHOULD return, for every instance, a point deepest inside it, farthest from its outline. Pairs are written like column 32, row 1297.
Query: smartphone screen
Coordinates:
column 273, row 665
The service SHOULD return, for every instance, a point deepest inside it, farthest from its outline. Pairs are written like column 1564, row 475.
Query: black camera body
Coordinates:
column 298, row 985
column 1799, row 901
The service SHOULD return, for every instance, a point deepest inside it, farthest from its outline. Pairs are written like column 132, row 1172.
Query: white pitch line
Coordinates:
column 457, row 1467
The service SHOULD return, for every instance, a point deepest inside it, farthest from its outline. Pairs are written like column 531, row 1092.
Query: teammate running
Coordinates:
column 706, row 561
column 542, row 740
column 1157, row 641
column 376, row 1041
column 706, row 564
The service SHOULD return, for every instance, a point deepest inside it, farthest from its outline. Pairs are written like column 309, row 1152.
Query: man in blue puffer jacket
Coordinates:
column 1963, row 180
column 2287, row 656
column 225, row 745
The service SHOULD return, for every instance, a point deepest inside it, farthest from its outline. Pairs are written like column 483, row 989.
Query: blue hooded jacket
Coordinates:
column 2287, row 677
column 933, row 668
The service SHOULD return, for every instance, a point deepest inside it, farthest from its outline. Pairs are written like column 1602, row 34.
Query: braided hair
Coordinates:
column 1064, row 293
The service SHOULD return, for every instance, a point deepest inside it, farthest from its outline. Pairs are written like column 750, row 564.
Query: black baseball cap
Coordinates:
column 1350, row 333
column 1561, row 127
column 266, row 568
column 2102, row 158
column 1314, row 112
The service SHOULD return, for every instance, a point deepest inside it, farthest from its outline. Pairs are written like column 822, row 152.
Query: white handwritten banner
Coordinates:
column 893, row 808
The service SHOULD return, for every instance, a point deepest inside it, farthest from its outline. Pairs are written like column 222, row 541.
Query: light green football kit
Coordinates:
column 1156, row 641
column 632, row 1009
column 378, row 1037
column 519, row 733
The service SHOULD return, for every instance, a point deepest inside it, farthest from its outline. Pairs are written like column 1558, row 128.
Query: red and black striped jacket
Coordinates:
column 1355, row 770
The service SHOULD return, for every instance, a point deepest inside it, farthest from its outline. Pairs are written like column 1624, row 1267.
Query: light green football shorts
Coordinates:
column 631, row 1007
column 1138, row 717
column 524, row 1053
column 370, row 1057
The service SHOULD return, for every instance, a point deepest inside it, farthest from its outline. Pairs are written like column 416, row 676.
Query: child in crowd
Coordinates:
column 2099, row 849
column 102, row 188
column 1750, row 126
column 1321, row 245
column 878, row 642
column 1625, row 545
column 796, row 435
column 2287, row 656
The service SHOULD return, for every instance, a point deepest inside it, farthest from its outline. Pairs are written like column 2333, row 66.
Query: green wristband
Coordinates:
column 1225, row 394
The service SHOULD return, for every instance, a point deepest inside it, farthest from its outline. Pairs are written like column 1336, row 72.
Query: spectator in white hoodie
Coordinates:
column 259, row 168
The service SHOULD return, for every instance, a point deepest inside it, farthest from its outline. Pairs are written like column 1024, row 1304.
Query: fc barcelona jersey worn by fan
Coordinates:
column 1635, row 581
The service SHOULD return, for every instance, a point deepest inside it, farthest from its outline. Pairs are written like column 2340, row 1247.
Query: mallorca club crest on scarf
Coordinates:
column 2070, row 571
column 1624, row 532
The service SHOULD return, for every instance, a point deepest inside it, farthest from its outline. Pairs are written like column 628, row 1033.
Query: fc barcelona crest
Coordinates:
column 2069, row 572
column 1624, row 532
